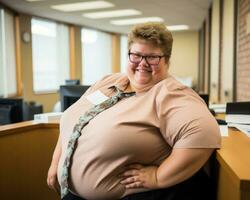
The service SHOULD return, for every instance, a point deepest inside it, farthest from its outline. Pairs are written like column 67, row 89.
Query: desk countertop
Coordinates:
column 27, row 125
column 234, row 156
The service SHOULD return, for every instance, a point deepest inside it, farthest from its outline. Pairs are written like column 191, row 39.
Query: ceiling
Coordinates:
column 174, row 12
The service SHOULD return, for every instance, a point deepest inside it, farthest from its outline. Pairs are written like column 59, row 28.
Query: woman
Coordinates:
column 151, row 145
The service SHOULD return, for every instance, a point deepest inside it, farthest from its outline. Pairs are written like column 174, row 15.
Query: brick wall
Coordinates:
column 243, row 54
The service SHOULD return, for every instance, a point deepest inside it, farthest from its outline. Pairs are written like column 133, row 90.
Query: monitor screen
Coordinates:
column 11, row 110
column 205, row 97
column 69, row 94
column 72, row 82
column 238, row 108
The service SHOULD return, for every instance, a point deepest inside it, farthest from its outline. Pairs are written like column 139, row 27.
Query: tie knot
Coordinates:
column 120, row 94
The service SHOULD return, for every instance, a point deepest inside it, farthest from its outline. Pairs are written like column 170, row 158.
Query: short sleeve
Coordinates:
column 186, row 122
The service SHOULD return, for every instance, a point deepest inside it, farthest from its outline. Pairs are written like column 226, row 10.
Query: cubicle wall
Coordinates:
column 26, row 151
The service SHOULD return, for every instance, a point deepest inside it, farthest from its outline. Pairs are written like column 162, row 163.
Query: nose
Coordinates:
column 144, row 61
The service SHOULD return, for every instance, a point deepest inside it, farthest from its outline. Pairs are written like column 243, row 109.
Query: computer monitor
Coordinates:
column 238, row 108
column 69, row 94
column 205, row 97
column 30, row 108
column 11, row 110
column 72, row 82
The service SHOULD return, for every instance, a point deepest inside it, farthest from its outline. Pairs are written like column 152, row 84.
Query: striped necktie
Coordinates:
column 83, row 121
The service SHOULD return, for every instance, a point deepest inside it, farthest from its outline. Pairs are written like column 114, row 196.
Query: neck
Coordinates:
column 130, row 88
column 133, row 86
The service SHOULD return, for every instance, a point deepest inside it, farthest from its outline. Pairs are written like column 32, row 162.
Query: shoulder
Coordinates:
column 107, row 81
column 172, row 84
column 172, row 97
column 171, row 90
column 110, row 79
column 184, row 117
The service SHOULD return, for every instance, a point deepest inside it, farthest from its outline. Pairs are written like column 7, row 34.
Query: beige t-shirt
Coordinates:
column 138, row 129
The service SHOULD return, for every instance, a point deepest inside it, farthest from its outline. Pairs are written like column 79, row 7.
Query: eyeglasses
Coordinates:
column 151, row 59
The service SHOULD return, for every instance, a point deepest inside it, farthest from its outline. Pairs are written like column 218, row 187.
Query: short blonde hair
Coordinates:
column 155, row 33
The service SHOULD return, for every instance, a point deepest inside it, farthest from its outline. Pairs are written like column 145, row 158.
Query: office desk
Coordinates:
column 26, row 150
column 234, row 167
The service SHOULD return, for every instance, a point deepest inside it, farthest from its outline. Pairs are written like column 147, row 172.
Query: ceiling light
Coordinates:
column 113, row 13
column 136, row 21
column 33, row 0
column 82, row 6
column 178, row 27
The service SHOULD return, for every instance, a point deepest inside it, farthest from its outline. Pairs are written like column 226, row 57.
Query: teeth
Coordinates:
column 141, row 70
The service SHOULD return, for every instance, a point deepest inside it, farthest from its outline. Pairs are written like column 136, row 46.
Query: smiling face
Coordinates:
column 143, row 75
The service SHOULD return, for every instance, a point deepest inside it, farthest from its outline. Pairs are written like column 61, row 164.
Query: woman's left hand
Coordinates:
column 139, row 176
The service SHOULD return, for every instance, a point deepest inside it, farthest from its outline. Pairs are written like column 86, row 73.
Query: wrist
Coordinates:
column 160, row 184
column 157, row 185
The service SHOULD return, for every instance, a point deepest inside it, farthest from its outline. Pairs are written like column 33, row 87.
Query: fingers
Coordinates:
column 53, row 184
column 132, row 182
column 132, row 176
column 57, row 188
column 49, row 182
column 134, row 185
column 135, row 166
column 132, row 172
column 139, row 176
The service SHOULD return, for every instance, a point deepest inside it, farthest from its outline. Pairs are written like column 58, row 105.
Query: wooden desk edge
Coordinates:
column 240, row 183
column 24, row 126
column 224, row 164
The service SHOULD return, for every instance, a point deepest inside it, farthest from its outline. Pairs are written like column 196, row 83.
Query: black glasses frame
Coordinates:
column 146, row 58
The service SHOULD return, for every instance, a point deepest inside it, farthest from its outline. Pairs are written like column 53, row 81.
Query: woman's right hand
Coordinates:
column 52, row 180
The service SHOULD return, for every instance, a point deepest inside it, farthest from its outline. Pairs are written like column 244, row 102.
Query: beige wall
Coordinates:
column 214, row 51
column 48, row 100
column 227, row 51
column 184, row 60
column 76, row 54
column 116, row 53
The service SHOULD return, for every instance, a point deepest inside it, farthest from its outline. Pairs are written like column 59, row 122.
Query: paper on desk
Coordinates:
column 237, row 119
column 223, row 130
column 47, row 117
column 218, row 108
column 245, row 128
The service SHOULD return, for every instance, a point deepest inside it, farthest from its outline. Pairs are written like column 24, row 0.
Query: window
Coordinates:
column 124, row 52
column 7, row 55
column 50, row 51
column 96, row 54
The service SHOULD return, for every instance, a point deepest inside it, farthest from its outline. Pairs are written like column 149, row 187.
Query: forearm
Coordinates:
column 180, row 165
column 57, row 153
column 52, row 180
